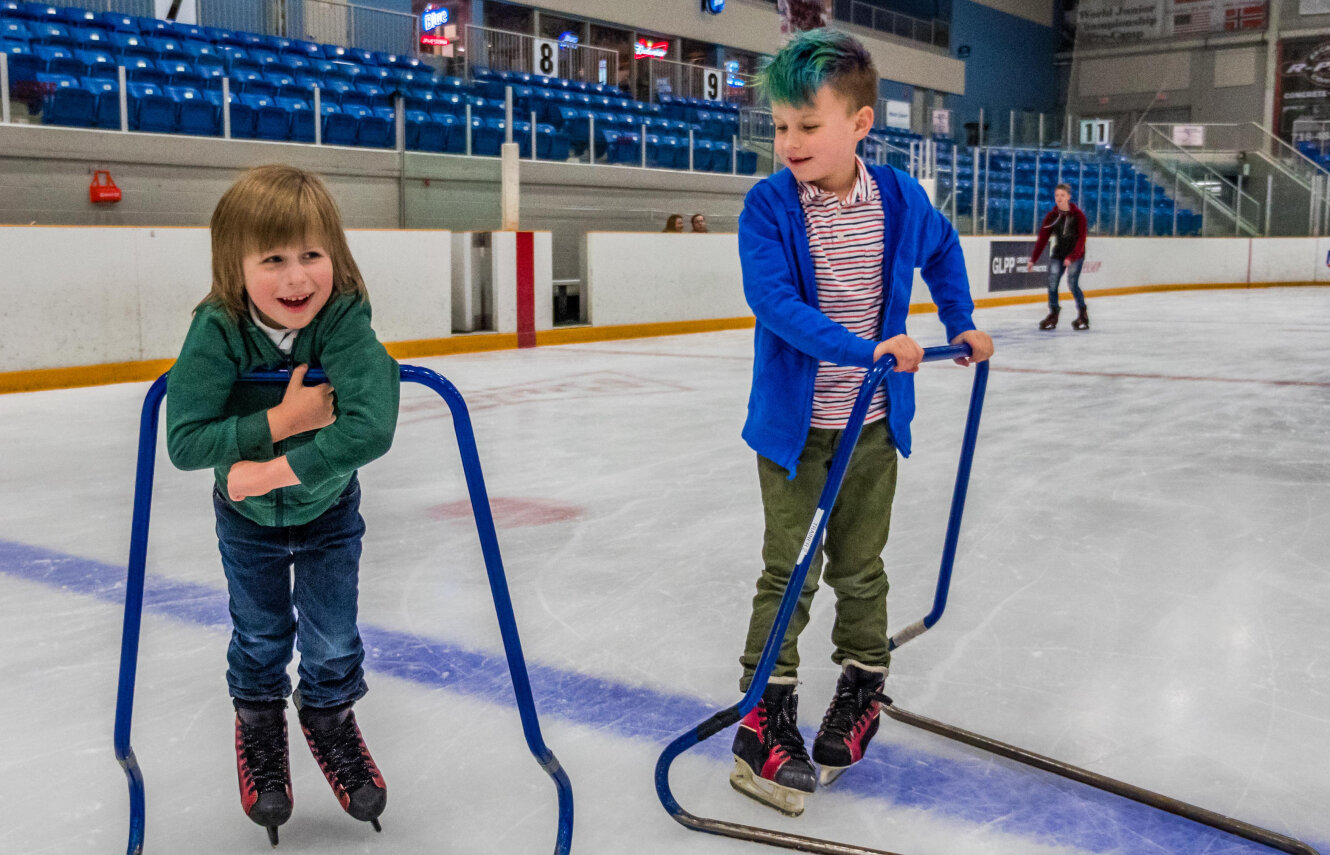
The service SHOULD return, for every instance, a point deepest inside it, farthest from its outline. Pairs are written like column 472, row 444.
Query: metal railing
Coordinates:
column 501, row 50
column 1001, row 191
column 1241, row 160
column 935, row 32
column 688, row 80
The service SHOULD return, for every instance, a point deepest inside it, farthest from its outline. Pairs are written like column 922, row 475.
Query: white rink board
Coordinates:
column 86, row 296
column 635, row 278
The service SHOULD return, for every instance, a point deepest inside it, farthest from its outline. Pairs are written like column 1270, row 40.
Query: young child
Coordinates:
column 286, row 293
column 828, row 249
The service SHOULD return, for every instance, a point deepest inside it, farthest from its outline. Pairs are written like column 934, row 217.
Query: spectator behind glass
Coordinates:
column 674, row 224
column 699, row 224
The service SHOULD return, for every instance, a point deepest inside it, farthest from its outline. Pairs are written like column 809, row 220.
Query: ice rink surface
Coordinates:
column 1141, row 589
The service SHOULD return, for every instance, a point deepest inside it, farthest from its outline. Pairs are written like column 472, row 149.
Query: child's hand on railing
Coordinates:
column 907, row 351
column 981, row 346
column 303, row 408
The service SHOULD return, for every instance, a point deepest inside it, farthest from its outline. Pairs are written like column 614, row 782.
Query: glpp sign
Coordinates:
column 1009, row 267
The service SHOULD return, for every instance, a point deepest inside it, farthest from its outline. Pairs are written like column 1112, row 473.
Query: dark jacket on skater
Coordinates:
column 1067, row 230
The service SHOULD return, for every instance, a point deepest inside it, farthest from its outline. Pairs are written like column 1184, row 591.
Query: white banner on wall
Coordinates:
column 898, row 114
column 1189, row 135
column 1131, row 20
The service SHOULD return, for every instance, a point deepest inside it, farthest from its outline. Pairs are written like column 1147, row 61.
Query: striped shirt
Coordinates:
column 845, row 239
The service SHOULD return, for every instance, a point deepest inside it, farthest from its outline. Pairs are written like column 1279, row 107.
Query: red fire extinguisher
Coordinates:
column 102, row 188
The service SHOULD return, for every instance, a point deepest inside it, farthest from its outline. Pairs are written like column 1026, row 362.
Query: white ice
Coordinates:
column 1141, row 590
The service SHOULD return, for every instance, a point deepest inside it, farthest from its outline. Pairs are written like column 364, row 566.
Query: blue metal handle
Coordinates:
column 839, row 462
column 489, row 542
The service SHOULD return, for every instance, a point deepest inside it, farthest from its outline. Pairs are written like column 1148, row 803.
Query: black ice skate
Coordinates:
column 1051, row 321
column 850, row 722
column 263, row 764
column 770, row 762
column 336, row 743
column 1082, row 321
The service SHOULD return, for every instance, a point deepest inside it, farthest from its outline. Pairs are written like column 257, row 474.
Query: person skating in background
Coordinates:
column 1065, row 226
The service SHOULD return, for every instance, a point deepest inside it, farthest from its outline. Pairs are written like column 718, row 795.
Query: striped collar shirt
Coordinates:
column 845, row 239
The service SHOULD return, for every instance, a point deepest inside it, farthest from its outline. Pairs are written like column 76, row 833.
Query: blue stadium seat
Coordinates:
column 23, row 68
column 130, row 44
column 243, row 115
column 279, row 78
column 106, row 90
column 14, row 30
column 486, row 138
column 339, row 127
column 195, row 115
column 49, row 33
column 66, row 102
column 302, row 118
column 96, row 63
column 151, row 109
column 424, row 133
column 271, row 122
column 140, row 69
column 153, row 26
column 42, row 12
column 57, row 59
column 166, row 47
column 748, row 162
column 115, row 21
column 92, row 38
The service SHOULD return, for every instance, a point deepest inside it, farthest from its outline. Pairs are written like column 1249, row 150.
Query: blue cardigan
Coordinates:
column 792, row 334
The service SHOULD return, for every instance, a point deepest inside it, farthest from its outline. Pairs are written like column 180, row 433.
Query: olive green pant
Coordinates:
column 856, row 534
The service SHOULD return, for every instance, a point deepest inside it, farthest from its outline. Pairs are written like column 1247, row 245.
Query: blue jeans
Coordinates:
column 1055, row 268
column 317, row 614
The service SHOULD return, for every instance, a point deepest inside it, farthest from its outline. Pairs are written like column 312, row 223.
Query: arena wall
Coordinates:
column 78, row 299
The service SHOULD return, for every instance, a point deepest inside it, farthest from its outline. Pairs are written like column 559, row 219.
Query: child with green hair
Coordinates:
column 828, row 248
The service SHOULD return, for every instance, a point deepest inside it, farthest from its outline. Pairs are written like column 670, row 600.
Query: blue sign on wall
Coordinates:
column 433, row 19
column 713, row 7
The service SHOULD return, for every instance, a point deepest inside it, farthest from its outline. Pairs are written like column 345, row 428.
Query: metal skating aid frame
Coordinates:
column 489, row 542
column 767, row 662
column 725, row 718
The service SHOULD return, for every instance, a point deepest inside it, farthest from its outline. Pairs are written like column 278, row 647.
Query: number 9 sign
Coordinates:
column 545, row 57
column 713, row 84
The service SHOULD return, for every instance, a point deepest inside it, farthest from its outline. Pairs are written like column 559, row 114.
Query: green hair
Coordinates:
column 816, row 58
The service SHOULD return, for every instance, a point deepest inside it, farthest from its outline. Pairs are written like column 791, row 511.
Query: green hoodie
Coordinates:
column 213, row 421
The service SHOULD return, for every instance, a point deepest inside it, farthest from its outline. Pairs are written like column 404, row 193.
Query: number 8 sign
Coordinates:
column 713, row 84
column 545, row 58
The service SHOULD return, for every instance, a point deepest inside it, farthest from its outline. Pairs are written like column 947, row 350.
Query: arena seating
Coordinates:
column 1115, row 196
column 63, row 63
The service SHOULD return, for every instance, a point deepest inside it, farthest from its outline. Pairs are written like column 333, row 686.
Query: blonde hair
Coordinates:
column 271, row 206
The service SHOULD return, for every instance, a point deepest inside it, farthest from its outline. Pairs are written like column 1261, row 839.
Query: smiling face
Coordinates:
column 289, row 284
column 817, row 140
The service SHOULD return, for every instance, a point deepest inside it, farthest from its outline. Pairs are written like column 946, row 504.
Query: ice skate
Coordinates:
column 336, row 743
column 263, row 764
column 1051, row 321
column 850, row 722
column 770, row 762
column 1082, row 321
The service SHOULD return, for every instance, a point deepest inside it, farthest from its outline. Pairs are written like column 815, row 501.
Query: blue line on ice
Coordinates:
column 980, row 791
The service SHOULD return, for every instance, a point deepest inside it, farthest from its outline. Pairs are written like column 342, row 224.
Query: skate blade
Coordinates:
column 783, row 799
column 827, row 775
column 272, row 835
column 374, row 823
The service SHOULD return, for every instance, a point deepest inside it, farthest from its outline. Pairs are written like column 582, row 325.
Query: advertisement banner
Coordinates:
column 1132, row 20
column 1114, row 20
column 1304, row 82
column 1009, row 266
